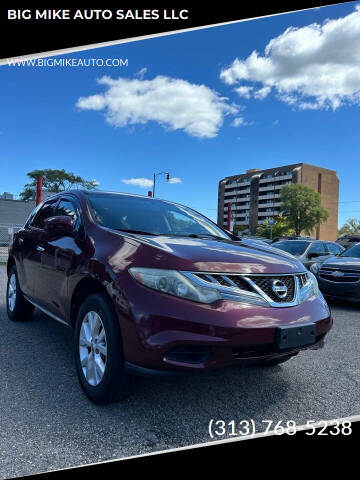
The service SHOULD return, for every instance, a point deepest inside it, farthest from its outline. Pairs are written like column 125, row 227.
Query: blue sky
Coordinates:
column 130, row 128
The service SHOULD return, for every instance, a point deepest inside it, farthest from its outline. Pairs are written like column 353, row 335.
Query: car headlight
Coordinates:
column 311, row 288
column 174, row 283
column 314, row 268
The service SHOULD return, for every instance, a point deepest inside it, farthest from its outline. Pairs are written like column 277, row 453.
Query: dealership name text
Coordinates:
column 91, row 14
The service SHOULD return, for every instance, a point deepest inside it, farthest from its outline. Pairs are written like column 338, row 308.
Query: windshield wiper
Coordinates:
column 140, row 232
column 206, row 235
column 191, row 235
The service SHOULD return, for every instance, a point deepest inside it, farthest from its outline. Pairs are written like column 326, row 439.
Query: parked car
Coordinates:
column 348, row 240
column 339, row 277
column 253, row 239
column 151, row 286
column 291, row 237
column 309, row 251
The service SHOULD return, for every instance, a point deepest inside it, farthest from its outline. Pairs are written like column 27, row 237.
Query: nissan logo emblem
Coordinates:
column 279, row 288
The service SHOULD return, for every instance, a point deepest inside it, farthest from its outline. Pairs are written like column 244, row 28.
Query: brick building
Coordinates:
column 254, row 195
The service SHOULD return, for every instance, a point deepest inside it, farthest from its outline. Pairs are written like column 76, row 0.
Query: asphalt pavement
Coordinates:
column 47, row 423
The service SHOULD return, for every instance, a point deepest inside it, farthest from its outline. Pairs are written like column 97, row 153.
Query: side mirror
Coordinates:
column 62, row 224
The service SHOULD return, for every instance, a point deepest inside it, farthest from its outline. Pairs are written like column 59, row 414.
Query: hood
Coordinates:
column 343, row 263
column 211, row 255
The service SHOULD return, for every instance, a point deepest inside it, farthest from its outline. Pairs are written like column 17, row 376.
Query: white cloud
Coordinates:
column 173, row 103
column 141, row 73
column 174, row 180
column 244, row 91
column 139, row 182
column 240, row 122
column 146, row 182
column 312, row 67
column 262, row 93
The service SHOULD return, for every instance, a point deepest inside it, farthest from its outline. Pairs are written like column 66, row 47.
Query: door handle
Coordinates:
column 40, row 249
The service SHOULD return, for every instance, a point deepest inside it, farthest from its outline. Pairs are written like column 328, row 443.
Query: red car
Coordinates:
column 151, row 286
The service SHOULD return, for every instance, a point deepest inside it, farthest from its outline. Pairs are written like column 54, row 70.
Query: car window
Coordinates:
column 334, row 249
column 318, row 247
column 32, row 215
column 45, row 211
column 295, row 247
column 353, row 251
column 180, row 223
column 69, row 209
column 150, row 215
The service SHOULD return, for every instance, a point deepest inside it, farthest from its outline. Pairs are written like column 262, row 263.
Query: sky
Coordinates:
column 201, row 105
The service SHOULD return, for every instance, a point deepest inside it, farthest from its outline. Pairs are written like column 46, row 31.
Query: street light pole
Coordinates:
column 155, row 175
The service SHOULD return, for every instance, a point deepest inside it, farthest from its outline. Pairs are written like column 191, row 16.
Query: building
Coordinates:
column 7, row 196
column 13, row 214
column 45, row 194
column 254, row 195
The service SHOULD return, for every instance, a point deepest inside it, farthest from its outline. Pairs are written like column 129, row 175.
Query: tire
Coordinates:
column 18, row 308
column 276, row 361
column 99, row 357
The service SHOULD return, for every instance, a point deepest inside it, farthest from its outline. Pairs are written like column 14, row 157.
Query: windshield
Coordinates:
column 294, row 247
column 353, row 252
column 150, row 216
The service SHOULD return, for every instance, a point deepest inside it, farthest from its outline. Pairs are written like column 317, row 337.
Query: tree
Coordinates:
column 55, row 181
column 280, row 227
column 239, row 228
column 301, row 205
column 351, row 227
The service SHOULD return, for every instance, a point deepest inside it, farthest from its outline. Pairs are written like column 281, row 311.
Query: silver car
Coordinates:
column 309, row 251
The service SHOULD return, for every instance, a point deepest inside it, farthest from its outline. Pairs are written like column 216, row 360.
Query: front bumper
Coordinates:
column 339, row 290
column 245, row 361
column 166, row 333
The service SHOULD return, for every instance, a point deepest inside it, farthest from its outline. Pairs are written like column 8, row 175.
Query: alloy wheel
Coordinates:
column 93, row 348
column 11, row 294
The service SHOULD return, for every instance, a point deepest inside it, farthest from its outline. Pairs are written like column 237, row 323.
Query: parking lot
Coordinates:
column 47, row 422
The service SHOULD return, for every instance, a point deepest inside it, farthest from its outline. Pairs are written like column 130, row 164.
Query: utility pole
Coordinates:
column 39, row 190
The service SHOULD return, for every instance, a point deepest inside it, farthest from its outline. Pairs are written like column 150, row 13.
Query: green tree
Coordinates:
column 301, row 205
column 239, row 228
column 55, row 181
column 351, row 227
column 280, row 227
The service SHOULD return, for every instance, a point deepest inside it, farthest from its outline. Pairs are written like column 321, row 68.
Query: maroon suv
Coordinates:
column 151, row 286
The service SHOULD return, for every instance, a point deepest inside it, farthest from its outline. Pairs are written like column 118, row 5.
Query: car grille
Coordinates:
column 264, row 282
column 226, row 281
column 343, row 276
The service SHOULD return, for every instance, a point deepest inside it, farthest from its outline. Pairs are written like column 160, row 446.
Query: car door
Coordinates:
column 58, row 259
column 28, row 247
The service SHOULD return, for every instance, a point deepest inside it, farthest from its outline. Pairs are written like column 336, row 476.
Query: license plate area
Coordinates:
column 295, row 336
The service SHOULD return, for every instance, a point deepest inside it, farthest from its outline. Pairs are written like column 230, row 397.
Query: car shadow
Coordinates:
column 43, row 369
column 38, row 376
